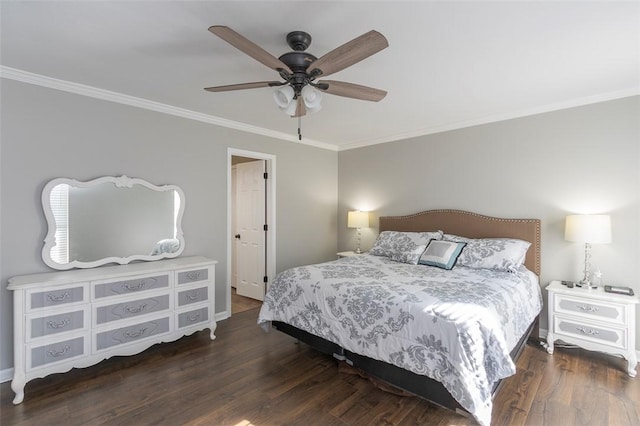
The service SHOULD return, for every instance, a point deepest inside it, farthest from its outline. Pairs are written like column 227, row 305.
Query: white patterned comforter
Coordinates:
column 456, row 326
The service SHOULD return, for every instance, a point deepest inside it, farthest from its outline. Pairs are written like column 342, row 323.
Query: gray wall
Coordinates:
column 579, row 160
column 47, row 134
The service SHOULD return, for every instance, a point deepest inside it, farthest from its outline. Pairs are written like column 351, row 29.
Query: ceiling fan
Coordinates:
column 300, row 91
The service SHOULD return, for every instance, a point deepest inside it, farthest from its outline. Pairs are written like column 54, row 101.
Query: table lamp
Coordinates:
column 588, row 229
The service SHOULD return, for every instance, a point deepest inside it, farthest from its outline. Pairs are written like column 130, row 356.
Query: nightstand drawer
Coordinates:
column 589, row 308
column 595, row 333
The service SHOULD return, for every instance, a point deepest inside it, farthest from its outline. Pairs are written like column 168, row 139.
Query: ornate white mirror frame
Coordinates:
column 152, row 229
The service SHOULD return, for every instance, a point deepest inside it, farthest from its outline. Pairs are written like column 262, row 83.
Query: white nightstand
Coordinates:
column 593, row 320
column 347, row 254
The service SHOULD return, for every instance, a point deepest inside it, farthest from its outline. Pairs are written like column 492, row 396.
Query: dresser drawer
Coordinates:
column 55, row 322
column 193, row 317
column 588, row 308
column 132, row 333
column 131, row 308
column 57, row 296
column 194, row 295
column 130, row 285
column 43, row 355
column 612, row 337
column 193, row 276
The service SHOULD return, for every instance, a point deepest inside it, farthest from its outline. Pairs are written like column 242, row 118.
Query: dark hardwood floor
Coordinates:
column 249, row 377
column 241, row 303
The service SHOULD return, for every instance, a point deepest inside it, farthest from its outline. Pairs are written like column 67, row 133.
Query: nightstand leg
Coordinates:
column 550, row 340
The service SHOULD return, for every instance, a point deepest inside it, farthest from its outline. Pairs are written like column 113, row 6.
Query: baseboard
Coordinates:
column 6, row 375
column 220, row 316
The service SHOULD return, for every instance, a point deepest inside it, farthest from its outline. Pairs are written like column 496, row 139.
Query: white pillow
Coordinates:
column 406, row 247
column 502, row 254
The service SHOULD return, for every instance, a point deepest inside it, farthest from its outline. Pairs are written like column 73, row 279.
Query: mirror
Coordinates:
column 110, row 220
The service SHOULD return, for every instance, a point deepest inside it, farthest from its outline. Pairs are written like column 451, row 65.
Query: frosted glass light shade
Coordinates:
column 283, row 96
column 311, row 97
column 357, row 219
column 588, row 228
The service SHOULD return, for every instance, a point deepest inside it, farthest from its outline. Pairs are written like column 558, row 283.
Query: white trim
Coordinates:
column 270, row 161
column 107, row 95
column 6, row 375
column 493, row 118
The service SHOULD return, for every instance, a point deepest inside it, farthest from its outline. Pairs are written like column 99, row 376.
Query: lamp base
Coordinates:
column 586, row 284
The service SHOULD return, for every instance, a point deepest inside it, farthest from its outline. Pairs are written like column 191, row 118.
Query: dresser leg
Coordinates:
column 17, row 385
column 213, row 327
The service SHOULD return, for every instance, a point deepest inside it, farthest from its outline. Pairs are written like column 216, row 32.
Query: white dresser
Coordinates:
column 594, row 320
column 79, row 317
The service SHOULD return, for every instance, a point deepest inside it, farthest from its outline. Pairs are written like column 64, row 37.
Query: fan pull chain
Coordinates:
column 299, row 127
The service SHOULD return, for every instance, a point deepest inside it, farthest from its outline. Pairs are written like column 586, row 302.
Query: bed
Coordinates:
column 447, row 330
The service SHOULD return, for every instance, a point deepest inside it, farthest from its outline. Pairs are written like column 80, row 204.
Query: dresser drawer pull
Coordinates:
column 55, row 354
column 193, row 318
column 588, row 308
column 65, row 322
column 587, row 331
column 54, row 298
column 134, row 334
column 135, row 309
column 193, row 275
column 194, row 295
column 131, row 287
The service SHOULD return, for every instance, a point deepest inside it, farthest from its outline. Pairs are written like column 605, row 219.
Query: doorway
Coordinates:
column 251, row 226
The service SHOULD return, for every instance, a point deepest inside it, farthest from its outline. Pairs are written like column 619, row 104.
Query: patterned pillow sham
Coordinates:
column 442, row 254
column 501, row 254
column 406, row 247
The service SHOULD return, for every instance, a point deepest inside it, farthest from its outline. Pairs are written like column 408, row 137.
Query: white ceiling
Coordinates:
column 448, row 64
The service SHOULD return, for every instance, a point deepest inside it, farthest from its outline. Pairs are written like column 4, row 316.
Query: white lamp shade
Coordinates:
column 357, row 219
column 588, row 228
column 283, row 96
column 311, row 97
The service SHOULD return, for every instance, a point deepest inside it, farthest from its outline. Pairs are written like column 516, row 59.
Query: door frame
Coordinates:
column 270, row 166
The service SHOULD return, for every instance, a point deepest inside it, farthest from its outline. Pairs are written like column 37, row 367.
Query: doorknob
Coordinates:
column 237, row 236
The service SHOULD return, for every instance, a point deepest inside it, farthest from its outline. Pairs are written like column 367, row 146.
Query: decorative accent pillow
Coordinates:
column 406, row 247
column 442, row 254
column 502, row 254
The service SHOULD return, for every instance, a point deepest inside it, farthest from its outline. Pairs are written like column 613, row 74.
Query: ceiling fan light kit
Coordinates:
column 300, row 93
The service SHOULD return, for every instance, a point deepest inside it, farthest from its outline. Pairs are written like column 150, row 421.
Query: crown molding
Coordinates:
column 494, row 118
column 107, row 95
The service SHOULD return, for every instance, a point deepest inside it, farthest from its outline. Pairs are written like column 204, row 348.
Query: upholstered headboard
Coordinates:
column 471, row 225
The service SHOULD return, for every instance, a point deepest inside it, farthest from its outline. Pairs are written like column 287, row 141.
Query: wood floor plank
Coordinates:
column 247, row 377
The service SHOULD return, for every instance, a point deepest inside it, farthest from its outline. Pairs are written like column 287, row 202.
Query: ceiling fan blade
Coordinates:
column 350, row 90
column 301, row 110
column 243, row 86
column 348, row 54
column 250, row 48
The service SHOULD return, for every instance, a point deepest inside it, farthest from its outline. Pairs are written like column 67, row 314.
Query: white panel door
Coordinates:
column 250, row 216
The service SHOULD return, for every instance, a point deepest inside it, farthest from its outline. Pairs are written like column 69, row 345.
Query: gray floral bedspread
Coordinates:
column 455, row 326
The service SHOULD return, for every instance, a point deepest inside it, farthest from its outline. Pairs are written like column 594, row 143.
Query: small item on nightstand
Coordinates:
column 619, row 290
column 569, row 284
